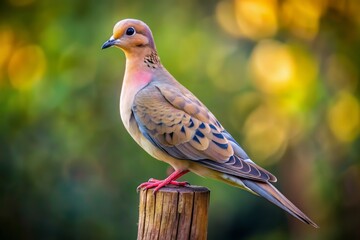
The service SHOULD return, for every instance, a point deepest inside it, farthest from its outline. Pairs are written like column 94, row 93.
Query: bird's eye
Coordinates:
column 130, row 31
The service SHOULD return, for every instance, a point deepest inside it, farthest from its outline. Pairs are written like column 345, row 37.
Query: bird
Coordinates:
column 174, row 126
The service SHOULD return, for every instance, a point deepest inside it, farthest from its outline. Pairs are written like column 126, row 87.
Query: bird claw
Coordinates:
column 158, row 184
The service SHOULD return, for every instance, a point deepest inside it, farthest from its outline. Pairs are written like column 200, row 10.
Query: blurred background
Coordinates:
column 287, row 73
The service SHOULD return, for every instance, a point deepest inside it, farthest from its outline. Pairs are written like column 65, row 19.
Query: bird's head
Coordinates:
column 131, row 36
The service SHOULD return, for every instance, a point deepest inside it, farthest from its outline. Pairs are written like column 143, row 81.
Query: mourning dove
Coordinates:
column 173, row 126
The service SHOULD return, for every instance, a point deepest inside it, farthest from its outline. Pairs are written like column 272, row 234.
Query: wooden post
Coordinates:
column 174, row 213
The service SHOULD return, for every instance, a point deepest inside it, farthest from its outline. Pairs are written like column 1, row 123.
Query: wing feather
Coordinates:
column 179, row 124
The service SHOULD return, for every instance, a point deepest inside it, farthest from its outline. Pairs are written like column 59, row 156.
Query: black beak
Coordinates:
column 108, row 43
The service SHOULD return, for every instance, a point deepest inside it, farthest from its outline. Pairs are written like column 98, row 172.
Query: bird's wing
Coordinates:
column 175, row 121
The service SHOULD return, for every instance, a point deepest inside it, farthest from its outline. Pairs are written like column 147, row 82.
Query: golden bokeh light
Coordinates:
column 6, row 42
column 302, row 17
column 26, row 67
column 225, row 16
column 286, row 73
column 256, row 19
column 344, row 117
column 272, row 66
column 266, row 134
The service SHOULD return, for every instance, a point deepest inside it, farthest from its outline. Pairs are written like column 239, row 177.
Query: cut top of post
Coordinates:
column 174, row 213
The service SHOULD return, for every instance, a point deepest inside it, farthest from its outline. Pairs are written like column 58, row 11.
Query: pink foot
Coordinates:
column 157, row 184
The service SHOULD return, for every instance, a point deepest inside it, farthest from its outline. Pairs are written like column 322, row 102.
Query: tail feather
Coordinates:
column 269, row 192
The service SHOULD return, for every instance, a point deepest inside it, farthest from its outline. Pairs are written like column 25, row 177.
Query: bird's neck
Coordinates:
column 140, row 68
column 140, row 65
column 142, row 58
column 139, row 72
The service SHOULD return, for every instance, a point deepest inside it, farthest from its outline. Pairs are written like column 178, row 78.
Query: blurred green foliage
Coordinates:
column 282, row 77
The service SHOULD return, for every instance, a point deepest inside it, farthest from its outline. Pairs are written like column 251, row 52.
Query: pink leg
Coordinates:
column 157, row 184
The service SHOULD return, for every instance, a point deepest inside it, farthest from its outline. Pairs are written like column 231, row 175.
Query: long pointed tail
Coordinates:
column 268, row 191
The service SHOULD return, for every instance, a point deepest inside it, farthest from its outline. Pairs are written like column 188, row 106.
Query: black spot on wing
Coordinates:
column 182, row 129
column 199, row 134
column 191, row 123
column 221, row 145
column 202, row 126
column 218, row 135
column 196, row 139
column 212, row 127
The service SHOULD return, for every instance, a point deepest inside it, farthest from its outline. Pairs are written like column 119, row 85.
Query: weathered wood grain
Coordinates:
column 174, row 213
